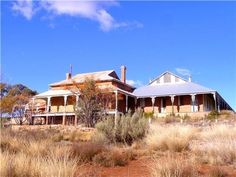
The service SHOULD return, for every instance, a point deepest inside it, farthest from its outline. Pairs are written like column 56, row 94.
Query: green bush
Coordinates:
column 213, row 115
column 124, row 129
column 149, row 114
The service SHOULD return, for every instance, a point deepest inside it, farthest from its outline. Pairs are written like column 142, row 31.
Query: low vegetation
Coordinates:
column 218, row 144
column 111, row 158
column 173, row 138
column 125, row 129
column 173, row 166
column 27, row 154
column 217, row 172
column 167, row 149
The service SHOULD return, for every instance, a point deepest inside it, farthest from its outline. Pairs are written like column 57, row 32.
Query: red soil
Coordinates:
column 140, row 168
column 135, row 168
column 229, row 170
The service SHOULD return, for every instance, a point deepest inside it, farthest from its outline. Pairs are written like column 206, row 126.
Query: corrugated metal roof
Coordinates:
column 80, row 78
column 108, row 75
column 171, row 89
column 54, row 93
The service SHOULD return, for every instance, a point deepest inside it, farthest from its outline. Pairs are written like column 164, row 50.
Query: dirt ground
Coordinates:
column 140, row 168
column 135, row 168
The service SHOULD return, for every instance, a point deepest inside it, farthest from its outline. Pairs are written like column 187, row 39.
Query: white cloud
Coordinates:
column 129, row 25
column 92, row 10
column 106, row 20
column 24, row 7
column 183, row 71
column 136, row 83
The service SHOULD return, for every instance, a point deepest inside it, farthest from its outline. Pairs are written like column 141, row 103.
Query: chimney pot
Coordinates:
column 123, row 74
column 68, row 76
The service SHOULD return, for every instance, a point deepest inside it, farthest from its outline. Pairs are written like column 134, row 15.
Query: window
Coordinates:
column 167, row 78
column 176, row 79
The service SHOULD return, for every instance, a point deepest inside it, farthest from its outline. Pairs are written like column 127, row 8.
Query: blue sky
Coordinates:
column 39, row 41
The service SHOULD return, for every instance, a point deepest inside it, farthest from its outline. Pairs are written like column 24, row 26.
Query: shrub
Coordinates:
column 173, row 138
column 111, row 158
column 148, row 114
column 213, row 115
column 103, row 159
column 126, row 129
column 172, row 167
column 86, row 151
column 99, row 138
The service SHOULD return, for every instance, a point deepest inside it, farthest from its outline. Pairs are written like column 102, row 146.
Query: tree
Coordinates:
column 14, row 98
column 91, row 103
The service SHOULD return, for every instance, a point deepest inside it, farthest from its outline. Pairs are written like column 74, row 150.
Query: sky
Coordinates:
column 40, row 39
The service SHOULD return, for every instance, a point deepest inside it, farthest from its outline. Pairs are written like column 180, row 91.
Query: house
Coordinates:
column 172, row 94
column 62, row 98
column 167, row 94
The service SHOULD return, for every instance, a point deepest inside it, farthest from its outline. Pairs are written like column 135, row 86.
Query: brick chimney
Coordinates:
column 123, row 74
column 68, row 76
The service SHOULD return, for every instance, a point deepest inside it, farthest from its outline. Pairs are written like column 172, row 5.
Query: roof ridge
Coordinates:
column 94, row 72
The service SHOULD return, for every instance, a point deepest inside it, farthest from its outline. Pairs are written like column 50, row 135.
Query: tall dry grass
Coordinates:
column 32, row 154
column 23, row 165
column 173, row 166
column 216, row 145
column 175, row 138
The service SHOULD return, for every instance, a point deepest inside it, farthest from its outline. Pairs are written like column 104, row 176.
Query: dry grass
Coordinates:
column 74, row 136
column 52, row 153
column 41, row 153
column 23, row 165
column 172, row 166
column 89, row 171
column 173, row 138
column 217, row 172
column 31, row 154
column 216, row 145
column 114, row 157
column 86, row 151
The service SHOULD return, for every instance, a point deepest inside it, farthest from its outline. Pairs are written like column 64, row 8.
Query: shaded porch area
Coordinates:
column 181, row 104
column 61, row 108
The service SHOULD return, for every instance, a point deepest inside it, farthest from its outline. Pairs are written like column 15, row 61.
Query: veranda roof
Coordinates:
column 171, row 89
column 55, row 93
